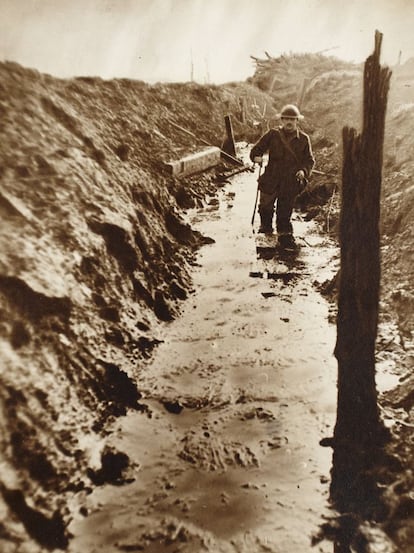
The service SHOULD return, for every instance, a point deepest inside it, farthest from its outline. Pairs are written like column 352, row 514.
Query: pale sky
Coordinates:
column 161, row 40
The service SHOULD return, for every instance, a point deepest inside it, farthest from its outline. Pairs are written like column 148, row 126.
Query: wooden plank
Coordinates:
column 195, row 163
column 225, row 155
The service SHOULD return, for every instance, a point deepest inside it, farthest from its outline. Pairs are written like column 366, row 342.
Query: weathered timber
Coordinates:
column 358, row 428
column 225, row 155
column 229, row 146
column 301, row 97
column 358, row 299
column 194, row 163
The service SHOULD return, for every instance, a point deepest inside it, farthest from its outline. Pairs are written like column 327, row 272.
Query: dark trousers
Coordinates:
column 284, row 208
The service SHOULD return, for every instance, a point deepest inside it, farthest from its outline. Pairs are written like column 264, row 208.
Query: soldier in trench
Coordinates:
column 286, row 174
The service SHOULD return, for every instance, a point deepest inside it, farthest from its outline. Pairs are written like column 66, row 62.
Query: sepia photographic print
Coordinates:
column 206, row 276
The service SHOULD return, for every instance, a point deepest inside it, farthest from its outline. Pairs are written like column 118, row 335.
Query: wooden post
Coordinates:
column 304, row 87
column 243, row 109
column 358, row 427
column 272, row 83
column 228, row 144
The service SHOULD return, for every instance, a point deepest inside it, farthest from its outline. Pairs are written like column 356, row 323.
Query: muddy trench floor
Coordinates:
column 241, row 391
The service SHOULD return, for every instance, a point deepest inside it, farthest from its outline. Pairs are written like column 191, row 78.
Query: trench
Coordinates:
column 240, row 391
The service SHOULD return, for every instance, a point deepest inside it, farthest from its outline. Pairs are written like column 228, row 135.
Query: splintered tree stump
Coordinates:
column 358, row 426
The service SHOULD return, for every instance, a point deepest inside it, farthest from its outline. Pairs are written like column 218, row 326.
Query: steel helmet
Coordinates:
column 291, row 112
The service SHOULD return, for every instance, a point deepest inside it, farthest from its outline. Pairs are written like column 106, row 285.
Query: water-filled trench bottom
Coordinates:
column 238, row 467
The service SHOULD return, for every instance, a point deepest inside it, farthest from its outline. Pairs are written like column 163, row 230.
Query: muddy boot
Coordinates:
column 287, row 242
column 266, row 222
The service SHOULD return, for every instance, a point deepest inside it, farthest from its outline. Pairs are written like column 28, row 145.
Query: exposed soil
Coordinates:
column 154, row 397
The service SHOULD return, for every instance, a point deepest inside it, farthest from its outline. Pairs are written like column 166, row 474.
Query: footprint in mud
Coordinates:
column 210, row 446
column 257, row 413
column 211, row 453
column 167, row 532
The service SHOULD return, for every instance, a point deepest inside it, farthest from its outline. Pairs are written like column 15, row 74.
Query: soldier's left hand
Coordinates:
column 300, row 175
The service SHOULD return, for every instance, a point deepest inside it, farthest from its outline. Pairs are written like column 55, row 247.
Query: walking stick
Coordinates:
column 257, row 196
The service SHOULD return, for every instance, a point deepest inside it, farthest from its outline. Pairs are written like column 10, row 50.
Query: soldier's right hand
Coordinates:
column 258, row 159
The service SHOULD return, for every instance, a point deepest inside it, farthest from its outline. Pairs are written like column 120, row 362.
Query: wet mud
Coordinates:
column 240, row 393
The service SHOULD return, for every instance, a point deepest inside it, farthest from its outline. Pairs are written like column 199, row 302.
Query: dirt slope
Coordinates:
column 95, row 252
